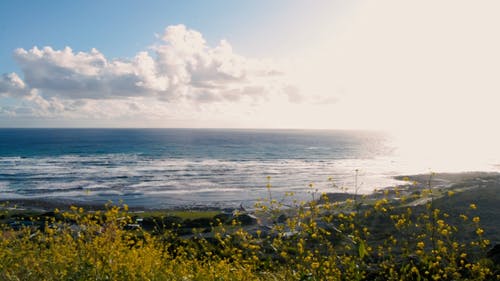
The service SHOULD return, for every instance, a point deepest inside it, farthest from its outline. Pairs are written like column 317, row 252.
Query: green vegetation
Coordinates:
column 191, row 214
column 409, row 233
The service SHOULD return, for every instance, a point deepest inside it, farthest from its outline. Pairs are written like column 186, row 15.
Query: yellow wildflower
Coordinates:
column 479, row 231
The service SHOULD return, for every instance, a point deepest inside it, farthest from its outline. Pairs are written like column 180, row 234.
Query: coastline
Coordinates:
column 479, row 188
column 456, row 182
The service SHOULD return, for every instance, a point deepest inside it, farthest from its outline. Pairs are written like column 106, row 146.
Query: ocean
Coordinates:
column 170, row 168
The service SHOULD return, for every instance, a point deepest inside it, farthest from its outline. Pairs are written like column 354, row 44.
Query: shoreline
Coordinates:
column 453, row 181
column 480, row 189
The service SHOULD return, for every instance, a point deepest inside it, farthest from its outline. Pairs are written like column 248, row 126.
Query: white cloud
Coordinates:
column 182, row 66
column 179, row 69
column 69, row 75
column 12, row 85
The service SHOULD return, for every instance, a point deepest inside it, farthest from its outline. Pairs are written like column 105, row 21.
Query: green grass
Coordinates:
column 184, row 214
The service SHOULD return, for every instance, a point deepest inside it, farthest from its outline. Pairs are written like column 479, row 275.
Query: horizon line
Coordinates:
column 200, row 128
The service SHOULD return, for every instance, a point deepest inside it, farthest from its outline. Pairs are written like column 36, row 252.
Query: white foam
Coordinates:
column 118, row 174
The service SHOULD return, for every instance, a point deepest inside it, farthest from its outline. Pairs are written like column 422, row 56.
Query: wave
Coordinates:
column 96, row 176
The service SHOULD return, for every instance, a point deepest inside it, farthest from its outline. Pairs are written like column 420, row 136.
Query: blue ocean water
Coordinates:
column 161, row 168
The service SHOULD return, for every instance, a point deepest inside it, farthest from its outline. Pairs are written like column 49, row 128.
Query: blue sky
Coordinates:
column 123, row 28
column 117, row 28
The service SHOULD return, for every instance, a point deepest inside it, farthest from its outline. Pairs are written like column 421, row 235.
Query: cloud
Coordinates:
column 179, row 80
column 12, row 85
column 181, row 66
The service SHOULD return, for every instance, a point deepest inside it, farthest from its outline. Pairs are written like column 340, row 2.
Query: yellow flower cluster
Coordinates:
column 317, row 240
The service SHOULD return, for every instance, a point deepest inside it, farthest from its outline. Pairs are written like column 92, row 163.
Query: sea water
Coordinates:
column 164, row 168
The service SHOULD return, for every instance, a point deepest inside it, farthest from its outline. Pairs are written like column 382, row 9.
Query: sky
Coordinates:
column 416, row 68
